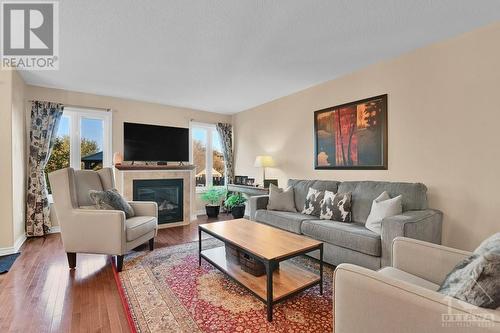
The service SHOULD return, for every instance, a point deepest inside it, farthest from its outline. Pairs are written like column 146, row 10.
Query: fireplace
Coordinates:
column 167, row 193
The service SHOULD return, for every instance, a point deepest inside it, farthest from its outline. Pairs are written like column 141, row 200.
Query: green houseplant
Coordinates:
column 213, row 197
column 236, row 203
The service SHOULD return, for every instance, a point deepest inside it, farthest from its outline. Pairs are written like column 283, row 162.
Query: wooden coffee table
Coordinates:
column 271, row 246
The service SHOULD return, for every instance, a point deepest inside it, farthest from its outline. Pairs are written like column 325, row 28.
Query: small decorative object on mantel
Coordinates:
column 251, row 181
column 236, row 204
column 352, row 135
column 213, row 197
column 117, row 158
column 268, row 182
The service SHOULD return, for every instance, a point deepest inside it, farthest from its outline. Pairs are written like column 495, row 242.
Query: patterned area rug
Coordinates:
column 166, row 291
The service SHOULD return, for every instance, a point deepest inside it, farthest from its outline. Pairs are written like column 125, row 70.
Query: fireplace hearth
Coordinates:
column 167, row 193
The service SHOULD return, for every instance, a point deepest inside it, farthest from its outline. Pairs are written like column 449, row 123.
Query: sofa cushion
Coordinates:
column 301, row 187
column 364, row 192
column 407, row 277
column 283, row 220
column 352, row 236
column 138, row 226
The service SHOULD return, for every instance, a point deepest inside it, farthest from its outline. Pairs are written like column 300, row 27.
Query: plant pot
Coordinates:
column 238, row 211
column 212, row 211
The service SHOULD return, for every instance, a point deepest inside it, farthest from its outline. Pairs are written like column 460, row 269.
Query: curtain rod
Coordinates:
column 79, row 106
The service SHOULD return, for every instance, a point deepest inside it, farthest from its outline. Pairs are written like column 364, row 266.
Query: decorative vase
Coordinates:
column 238, row 211
column 212, row 211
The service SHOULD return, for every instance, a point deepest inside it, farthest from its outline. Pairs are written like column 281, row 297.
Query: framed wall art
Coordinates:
column 352, row 135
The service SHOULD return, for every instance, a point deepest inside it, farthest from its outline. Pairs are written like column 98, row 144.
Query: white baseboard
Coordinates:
column 13, row 249
column 55, row 229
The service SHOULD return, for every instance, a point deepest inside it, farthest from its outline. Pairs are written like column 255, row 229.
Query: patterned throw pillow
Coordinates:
column 312, row 205
column 111, row 200
column 336, row 206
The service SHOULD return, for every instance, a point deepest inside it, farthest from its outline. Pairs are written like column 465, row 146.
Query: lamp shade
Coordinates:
column 264, row 161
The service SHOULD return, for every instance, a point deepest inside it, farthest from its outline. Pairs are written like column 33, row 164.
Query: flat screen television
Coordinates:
column 144, row 142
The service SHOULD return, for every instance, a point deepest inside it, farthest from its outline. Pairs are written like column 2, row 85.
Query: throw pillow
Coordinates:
column 476, row 280
column 111, row 200
column 336, row 206
column 490, row 243
column 312, row 206
column 282, row 200
column 383, row 206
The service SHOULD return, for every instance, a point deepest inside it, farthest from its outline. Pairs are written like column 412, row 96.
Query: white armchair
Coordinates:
column 85, row 229
column 403, row 298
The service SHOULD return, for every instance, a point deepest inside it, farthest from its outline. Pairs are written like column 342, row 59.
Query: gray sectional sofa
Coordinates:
column 352, row 242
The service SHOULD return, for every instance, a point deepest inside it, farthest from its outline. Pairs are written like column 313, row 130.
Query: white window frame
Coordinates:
column 75, row 120
column 210, row 128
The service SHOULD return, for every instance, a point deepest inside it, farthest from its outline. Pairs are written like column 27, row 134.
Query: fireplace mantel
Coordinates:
column 128, row 167
column 125, row 176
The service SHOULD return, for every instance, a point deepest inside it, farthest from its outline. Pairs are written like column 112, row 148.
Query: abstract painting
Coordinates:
column 352, row 135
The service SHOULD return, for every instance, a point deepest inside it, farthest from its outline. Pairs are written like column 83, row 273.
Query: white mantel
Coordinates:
column 125, row 175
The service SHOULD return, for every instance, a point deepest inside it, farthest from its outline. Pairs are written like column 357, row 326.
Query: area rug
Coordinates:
column 166, row 291
column 7, row 261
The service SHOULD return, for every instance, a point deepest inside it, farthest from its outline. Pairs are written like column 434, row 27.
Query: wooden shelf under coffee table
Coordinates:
column 269, row 245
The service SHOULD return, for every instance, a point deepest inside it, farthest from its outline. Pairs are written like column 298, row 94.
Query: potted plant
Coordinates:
column 213, row 197
column 236, row 204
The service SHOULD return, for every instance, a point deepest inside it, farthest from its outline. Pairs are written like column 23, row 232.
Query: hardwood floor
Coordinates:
column 41, row 294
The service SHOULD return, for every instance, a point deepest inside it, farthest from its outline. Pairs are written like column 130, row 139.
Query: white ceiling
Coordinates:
column 228, row 55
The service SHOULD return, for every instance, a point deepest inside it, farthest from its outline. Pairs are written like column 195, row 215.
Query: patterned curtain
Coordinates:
column 45, row 118
column 226, row 134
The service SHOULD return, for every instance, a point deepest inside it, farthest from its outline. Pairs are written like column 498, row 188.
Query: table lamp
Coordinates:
column 264, row 161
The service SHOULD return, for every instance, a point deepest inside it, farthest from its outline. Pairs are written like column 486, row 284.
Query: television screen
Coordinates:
column 155, row 143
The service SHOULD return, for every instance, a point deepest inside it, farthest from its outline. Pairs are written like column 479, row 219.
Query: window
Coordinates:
column 206, row 150
column 83, row 141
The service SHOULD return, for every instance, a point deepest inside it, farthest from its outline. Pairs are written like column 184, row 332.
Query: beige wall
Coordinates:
column 443, row 129
column 12, row 161
column 125, row 110
column 18, row 155
column 6, row 226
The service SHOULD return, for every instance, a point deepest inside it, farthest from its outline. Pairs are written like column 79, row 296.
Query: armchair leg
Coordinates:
column 71, row 259
column 151, row 244
column 119, row 263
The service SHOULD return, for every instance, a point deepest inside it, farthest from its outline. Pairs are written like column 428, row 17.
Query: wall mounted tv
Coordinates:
column 155, row 143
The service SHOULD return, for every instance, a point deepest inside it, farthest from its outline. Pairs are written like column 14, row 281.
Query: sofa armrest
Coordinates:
column 94, row 231
column 145, row 208
column 257, row 202
column 429, row 261
column 367, row 301
column 425, row 225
